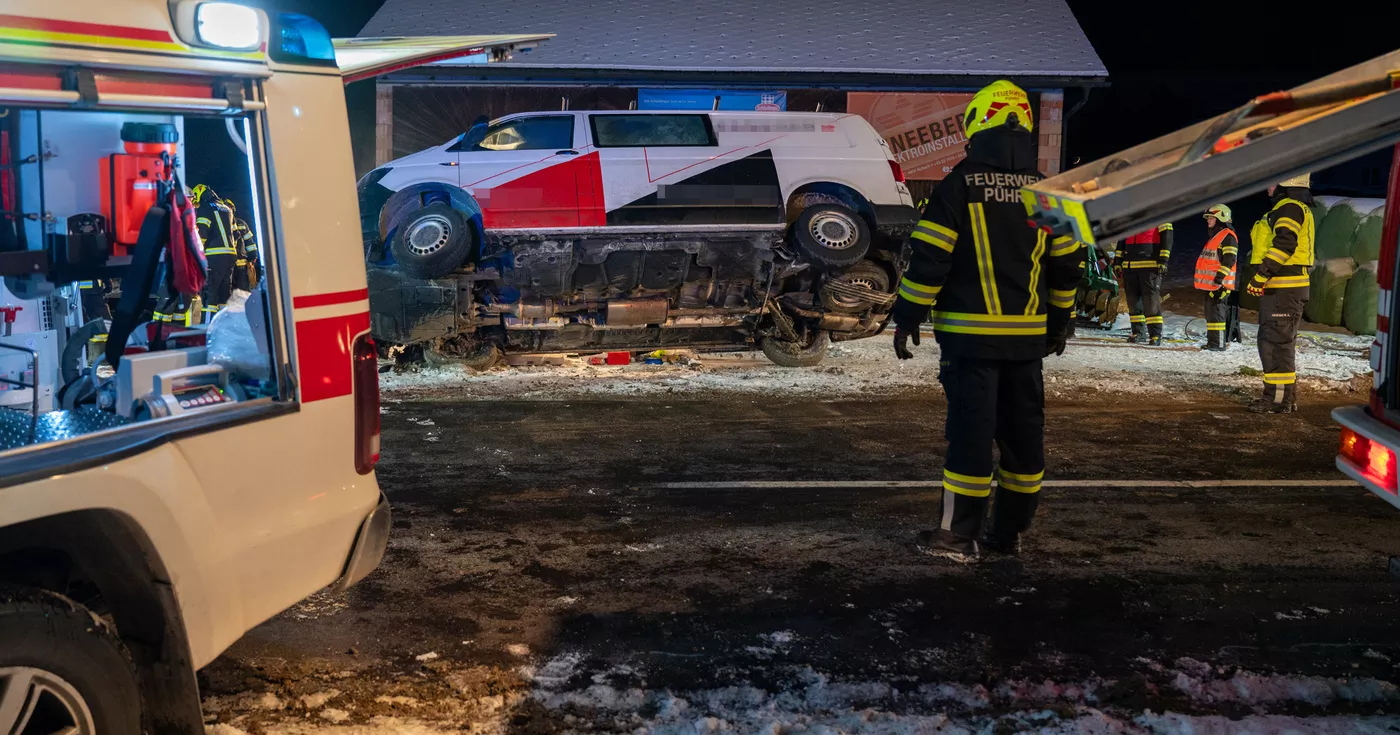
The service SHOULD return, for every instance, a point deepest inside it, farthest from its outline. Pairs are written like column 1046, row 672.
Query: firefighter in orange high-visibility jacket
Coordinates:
column 1281, row 245
column 1001, row 296
column 1141, row 261
column 1215, row 273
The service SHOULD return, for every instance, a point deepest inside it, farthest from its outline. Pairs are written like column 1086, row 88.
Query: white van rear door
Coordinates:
column 363, row 58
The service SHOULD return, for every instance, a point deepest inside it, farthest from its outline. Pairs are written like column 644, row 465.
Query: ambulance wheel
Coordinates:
column 432, row 242
column 475, row 356
column 831, row 236
column 62, row 669
column 797, row 354
column 865, row 275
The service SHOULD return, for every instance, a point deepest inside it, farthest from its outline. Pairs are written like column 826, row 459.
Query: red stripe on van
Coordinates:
column 324, row 350
column 49, row 25
column 328, row 299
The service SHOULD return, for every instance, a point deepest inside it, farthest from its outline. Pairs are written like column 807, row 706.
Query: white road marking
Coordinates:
column 930, row 484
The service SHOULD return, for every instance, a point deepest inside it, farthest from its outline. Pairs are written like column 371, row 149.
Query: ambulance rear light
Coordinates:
column 366, row 375
column 897, row 170
column 1374, row 460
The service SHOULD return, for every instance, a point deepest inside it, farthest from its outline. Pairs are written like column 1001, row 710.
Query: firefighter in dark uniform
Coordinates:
column 247, row 269
column 1001, row 296
column 215, row 223
column 1215, row 274
column 1282, row 249
column 1141, row 260
column 93, row 295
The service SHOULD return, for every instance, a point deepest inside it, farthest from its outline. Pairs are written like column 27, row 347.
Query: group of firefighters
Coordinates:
column 1281, row 251
column 231, row 250
column 1001, row 297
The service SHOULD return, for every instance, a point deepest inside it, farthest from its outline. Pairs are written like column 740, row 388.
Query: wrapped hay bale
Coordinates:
column 1337, row 230
column 1329, row 290
column 1360, row 307
column 1366, row 246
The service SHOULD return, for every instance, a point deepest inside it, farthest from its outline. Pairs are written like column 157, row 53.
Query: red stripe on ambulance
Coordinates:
column 324, row 348
column 330, row 299
column 50, row 25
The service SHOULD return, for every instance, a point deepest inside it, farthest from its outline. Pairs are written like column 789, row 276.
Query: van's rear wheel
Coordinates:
column 62, row 671
column 831, row 236
column 432, row 242
column 472, row 355
column 805, row 353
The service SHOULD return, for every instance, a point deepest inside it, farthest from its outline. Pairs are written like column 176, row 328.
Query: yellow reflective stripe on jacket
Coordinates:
column 1230, row 250
column 1141, row 264
column 1164, row 253
column 1280, row 378
column 1276, row 255
column 220, row 251
column 1062, row 299
column 977, row 487
column 1287, row 282
column 1033, row 303
column 1288, row 224
column 983, row 250
column 918, row 292
column 993, row 324
column 1165, row 227
column 203, row 221
column 1063, row 245
column 935, row 234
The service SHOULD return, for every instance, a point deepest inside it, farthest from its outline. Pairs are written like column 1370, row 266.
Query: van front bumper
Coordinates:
column 896, row 220
column 370, row 544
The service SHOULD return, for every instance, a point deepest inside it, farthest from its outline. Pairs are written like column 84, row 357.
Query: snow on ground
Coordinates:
column 1099, row 360
column 814, row 703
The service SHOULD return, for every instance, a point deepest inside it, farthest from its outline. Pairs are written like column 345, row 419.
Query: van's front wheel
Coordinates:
column 62, row 670
column 432, row 242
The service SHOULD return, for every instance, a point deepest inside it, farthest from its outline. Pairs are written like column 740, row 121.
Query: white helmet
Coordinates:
column 1303, row 180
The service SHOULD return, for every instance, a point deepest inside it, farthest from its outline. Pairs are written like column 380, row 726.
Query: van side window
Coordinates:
column 553, row 133
column 652, row 131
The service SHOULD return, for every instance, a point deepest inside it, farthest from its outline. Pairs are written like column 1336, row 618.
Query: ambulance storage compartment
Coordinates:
column 87, row 222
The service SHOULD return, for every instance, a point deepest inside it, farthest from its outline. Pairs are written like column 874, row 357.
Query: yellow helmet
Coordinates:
column 197, row 193
column 997, row 104
column 1220, row 212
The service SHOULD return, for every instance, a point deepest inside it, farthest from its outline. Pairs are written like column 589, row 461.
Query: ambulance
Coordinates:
column 167, row 489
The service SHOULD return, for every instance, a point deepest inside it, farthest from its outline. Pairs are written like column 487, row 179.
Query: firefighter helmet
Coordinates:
column 198, row 192
column 1220, row 212
column 997, row 104
column 1303, row 180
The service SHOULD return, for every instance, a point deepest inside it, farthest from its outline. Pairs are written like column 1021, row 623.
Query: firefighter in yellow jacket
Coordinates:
column 1001, row 296
column 1282, row 249
column 1215, row 273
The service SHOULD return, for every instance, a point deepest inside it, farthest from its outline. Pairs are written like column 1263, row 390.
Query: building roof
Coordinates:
column 925, row 38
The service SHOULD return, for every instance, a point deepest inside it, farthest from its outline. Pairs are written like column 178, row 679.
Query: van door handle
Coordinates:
column 566, row 153
column 448, row 163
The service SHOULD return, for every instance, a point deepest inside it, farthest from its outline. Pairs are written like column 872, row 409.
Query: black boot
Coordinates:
column 1155, row 340
column 1002, row 543
column 1264, row 405
column 1137, row 335
column 947, row 544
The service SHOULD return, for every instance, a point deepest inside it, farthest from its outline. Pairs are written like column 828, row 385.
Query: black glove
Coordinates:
column 1058, row 328
column 1055, row 344
column 901, row 342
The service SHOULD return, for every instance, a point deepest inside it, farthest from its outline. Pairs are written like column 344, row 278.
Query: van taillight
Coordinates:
column 897, row 170
column 1375, row 460
column 366, row 372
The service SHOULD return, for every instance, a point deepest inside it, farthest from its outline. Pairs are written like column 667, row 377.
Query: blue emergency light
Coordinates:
column 301, row 39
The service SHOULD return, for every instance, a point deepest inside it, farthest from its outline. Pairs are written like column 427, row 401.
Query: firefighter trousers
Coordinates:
column 219, row 284
column 1217, row 319
column 999, row 402
column 1144, row 292
column 1280, row 313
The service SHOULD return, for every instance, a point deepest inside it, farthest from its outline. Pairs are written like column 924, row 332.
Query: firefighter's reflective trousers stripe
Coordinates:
column 1001, row 403
column 1144, row 292
column 1280, row 313
column 1217, row 318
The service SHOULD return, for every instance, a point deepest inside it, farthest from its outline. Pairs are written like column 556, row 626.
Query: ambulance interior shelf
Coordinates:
column 72, row 204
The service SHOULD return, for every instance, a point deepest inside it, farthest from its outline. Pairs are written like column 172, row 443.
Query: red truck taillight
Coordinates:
column 366, row 373
column 1375, row 460
column 897, row 170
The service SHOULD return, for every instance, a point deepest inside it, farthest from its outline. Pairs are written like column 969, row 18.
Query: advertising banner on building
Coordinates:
column 924, row 130
column 704, row 99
